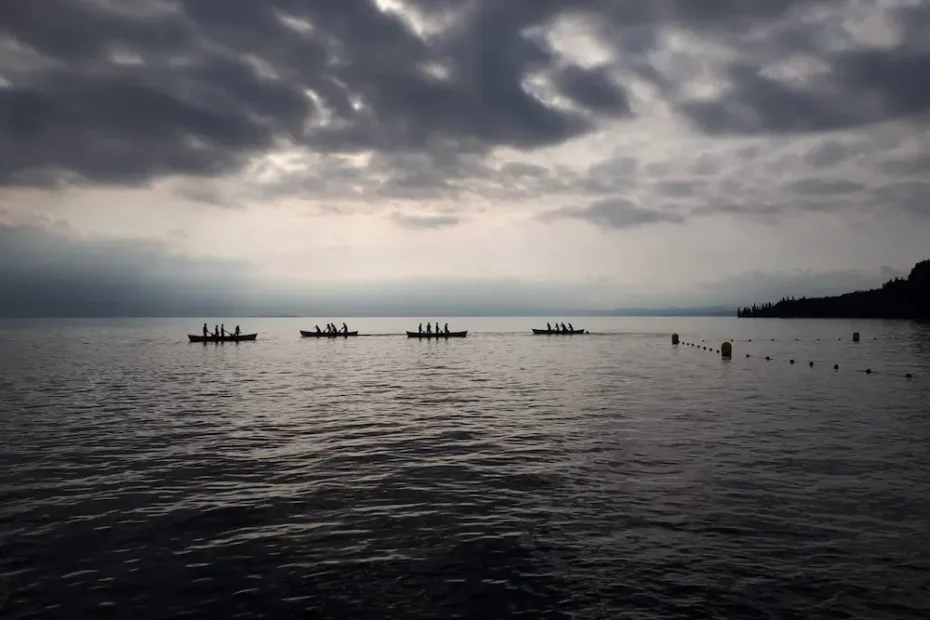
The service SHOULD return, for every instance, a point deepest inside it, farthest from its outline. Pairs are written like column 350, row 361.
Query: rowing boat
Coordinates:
column 435, row 335
column 239, row 338
column 327, row 334
column 552, row 332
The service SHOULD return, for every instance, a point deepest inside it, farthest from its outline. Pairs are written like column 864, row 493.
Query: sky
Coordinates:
column 394, row 156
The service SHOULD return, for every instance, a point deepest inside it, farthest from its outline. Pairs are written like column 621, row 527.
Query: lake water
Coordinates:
column 610, row 475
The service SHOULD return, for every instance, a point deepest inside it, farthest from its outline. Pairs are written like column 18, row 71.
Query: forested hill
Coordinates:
column 899, row 298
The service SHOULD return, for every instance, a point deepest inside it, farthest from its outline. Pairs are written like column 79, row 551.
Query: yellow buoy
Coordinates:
column 726, row 350
column 674, row 338
column 855, row 336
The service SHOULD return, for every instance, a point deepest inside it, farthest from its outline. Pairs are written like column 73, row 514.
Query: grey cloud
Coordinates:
column 863, row 88
column 706, row 165
column 521, row 170
column 912, row 164
column 913, row 197
column 425, row 222
column 680, row 189
column 611, row 176
column 829, row 153
column 762, row 210
column 593, row 89
column 415, row 176
column 818, row 186
column 204, row 192
column 614, row 213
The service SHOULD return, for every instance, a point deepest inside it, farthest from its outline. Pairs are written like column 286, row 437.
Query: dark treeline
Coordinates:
column 898, row 298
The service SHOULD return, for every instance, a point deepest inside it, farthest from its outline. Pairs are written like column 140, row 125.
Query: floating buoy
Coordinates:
column 747, row 355
column 811, row 364
column 791, row 362
column 768, row 359
column 836, row 366
column 868, row 371
column 855, row 336
column 726, row 350
column 674, row 338
column 908, row 376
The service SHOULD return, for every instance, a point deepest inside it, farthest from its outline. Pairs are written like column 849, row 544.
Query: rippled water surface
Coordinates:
column 501, row 476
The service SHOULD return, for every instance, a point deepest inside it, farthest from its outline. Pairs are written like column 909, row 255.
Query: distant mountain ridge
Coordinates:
column 898, row 298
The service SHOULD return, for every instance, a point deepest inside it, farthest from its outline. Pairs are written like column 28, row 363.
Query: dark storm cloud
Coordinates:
column 614, row 213
column 122, row 93
column 214, row 82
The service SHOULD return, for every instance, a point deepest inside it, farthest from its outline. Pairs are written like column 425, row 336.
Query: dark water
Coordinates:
column 500, row 476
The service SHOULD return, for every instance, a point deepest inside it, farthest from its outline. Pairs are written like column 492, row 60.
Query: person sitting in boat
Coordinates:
column 216, row 331
column 206, row 331
column 570, row 328
column 438, row 331
column 345, row 328
column 420, row 329
column 446, row 328
column 548, row 327
column 223, row 331
column 429, row 328
column 317, row 328
column 238, row 331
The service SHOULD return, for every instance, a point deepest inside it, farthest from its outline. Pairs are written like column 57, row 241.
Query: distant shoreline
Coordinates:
column 658, row 313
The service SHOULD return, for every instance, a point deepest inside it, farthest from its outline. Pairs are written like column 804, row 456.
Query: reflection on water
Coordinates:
column 499, row 476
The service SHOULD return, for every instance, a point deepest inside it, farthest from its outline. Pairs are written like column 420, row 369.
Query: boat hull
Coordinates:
column 546, row 332
column 437, row 336
column 239, row 338
column 325, row 335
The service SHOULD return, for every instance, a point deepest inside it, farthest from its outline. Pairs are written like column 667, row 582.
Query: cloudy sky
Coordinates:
column 188, row 155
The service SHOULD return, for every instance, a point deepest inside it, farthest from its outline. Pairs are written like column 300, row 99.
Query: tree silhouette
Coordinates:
column 898, row 298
